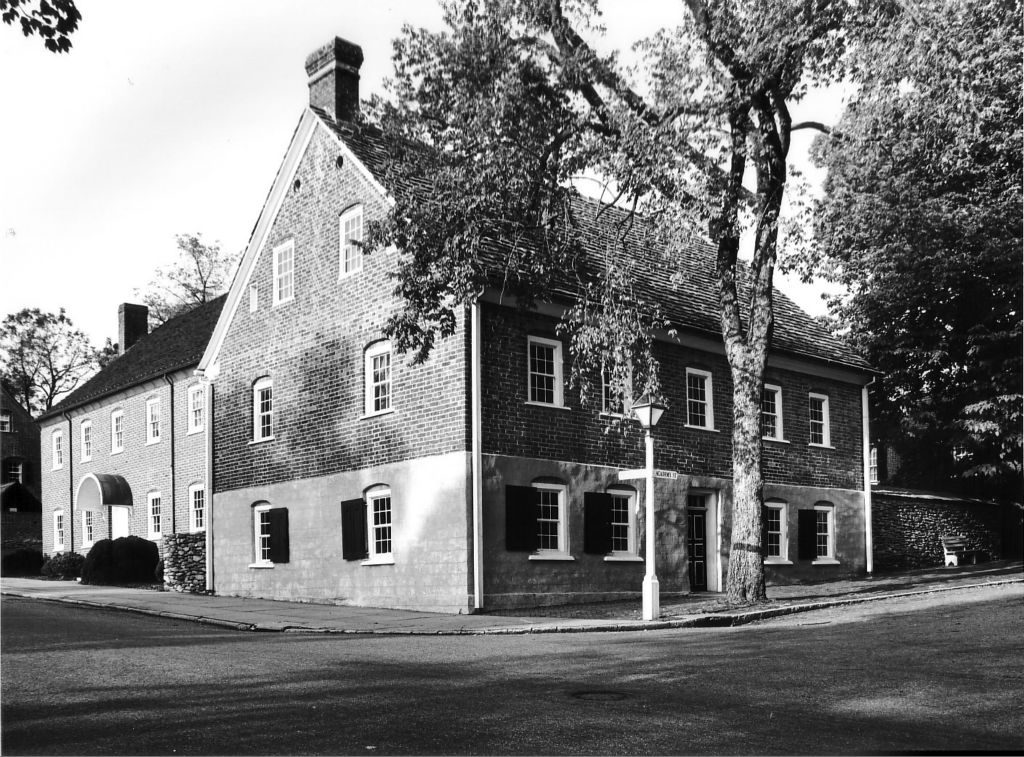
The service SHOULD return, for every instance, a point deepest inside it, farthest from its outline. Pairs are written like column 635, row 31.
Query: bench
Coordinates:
column 956, row 552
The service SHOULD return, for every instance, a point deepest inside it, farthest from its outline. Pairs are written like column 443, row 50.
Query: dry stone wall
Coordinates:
column 185, row 562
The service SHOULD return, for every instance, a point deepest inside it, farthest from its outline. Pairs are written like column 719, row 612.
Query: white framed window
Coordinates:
column 270, row 533
column 86, row 431
column 552, row 531
column 776, row 531
column 379, row 522
column 818, row 422
column 261, row 529
column 5, row 420
column 623, row 522
column 58, row 531
column 14, row 471
column 155, row 516
column 254, row 298
column 544, row 372
column 825, row 533
column 378, row 378
column 57, row 440
column 263, row 410
column 152, row 421
column 88, row 529
column 116, row 432
column 350, row 236
column 197, row 507
column 771, row 413
column 615, row 400
column 873, row 465
column 196, row 402
column 700, row 410
column 284, row 272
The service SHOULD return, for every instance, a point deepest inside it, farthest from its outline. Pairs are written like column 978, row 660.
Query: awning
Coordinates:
column 99, row 490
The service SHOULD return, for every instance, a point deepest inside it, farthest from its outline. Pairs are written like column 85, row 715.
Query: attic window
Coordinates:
column 297, row 185
column 339, row 161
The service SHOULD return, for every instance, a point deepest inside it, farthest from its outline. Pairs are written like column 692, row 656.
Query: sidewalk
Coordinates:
column 700, row 610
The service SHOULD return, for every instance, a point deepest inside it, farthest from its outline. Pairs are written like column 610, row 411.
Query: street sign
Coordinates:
column 634, row 473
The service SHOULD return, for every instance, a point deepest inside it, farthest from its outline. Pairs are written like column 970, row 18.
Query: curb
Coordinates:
column 710, row 620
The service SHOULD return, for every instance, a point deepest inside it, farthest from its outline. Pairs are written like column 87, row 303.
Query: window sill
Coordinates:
column 117, row 451
column 777, row 561
column 610, row 414
column 282, row 302
column 703, row 428
column 552, row 557
column 155, row 537
column 349, row 274
column 547, row 405
column 623, row 558
column 820, row 446
column 260, row 441
column 86, row 460
column 776, row 441
column 379, row 561
column 825, row 561
column 260, row 565
column 192, row 431
column 151, row 442
column 198, row 530
column 377, row 414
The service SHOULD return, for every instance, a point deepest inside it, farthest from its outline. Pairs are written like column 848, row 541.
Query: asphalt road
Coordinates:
column 941, row 673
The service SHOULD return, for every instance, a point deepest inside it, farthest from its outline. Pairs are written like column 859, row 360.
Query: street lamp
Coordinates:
column 648, row 411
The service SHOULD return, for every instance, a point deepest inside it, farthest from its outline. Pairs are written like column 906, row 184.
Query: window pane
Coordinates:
column 263, row 535
column 547, row 520
column 769, row 414
column 696, row 400
column 381, row 525
column 620, row 523
column 773, row 526
column 821, row 520
column 542, row 373
column 381, row 378
column 816, row 412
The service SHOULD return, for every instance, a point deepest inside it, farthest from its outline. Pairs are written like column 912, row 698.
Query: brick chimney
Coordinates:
column 333, row 71
column 132, row 325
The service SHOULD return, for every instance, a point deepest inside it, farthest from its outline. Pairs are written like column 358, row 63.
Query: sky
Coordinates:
column 172, row 118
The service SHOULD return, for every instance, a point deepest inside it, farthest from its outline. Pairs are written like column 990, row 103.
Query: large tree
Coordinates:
column 44, row 357
column 53, row 20
column 921, row 221
column 493, row 119
column 201, row 272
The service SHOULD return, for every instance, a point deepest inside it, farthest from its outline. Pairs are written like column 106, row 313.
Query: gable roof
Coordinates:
column 175, row 345
column 680, row 280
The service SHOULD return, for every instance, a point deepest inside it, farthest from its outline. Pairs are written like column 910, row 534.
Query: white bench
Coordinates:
column 956, row 552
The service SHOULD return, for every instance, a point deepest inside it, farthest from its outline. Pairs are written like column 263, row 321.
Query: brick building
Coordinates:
column 125, row 454
column 478, row 480
column 19, row 475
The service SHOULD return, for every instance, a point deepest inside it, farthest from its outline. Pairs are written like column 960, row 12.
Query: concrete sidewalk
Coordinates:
column 700, row 610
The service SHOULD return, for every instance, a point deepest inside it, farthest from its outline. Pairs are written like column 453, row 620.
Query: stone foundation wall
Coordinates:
column 907, row 533
column 184, row 558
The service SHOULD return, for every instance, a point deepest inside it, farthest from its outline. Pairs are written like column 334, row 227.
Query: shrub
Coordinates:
column 23, row 561
column 158, row 574
column 63, row 566
column 99, row 564
column 127, row 560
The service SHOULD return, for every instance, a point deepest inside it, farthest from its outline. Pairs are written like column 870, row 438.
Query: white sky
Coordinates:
column 170, row 118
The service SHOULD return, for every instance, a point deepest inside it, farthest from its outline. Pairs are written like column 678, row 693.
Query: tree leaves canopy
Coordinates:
column 44, row 357
column 53, row 20
column 921, row 221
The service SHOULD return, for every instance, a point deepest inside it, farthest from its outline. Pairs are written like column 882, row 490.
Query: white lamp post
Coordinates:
column 649, row 412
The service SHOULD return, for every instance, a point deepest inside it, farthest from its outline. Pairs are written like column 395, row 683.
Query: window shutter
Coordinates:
column 764, row 532
column 807, row 536
column 883, row 463
column 521, row 518
column 353, row 530
column 278, row 522
column 597, row 523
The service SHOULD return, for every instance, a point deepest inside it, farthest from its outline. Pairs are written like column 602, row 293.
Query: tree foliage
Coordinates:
column 921, row 221
column 201, row 273
column 53, row 20
column 44, row 357
column 493, row 120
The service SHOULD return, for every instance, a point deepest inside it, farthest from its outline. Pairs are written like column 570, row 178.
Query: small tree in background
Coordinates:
column 43, row 357
column 201, row 273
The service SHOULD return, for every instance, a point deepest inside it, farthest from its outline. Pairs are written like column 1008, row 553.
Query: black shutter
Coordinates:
column 277, row 519
column 883, row 463
column 807, row 535
column 521, row 518
column 353, row 530
column 597, row 523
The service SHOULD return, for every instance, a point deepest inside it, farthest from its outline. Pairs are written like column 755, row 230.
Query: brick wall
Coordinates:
column 146, row 467
column 313, row 347
column 579, row 434
column 21, row 443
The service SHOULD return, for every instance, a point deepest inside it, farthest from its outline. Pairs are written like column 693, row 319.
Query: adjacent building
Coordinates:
column 125, row 454
column 344, row 473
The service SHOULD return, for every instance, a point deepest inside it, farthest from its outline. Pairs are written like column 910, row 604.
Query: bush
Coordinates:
column 63, row 566
column 23, row 561
column 99, row 564
column 158, row 574
column 127, row 560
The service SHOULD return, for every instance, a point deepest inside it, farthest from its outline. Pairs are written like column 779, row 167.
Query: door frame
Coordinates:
column 712, row 535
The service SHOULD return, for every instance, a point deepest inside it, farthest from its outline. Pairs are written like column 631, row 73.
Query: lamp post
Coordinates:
column 648, row 412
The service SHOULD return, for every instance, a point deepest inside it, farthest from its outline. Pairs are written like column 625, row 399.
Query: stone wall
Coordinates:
column 907, row 531
column 185, row 562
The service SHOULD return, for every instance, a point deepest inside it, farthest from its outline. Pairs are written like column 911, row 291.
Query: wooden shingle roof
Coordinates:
column 175, row 345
